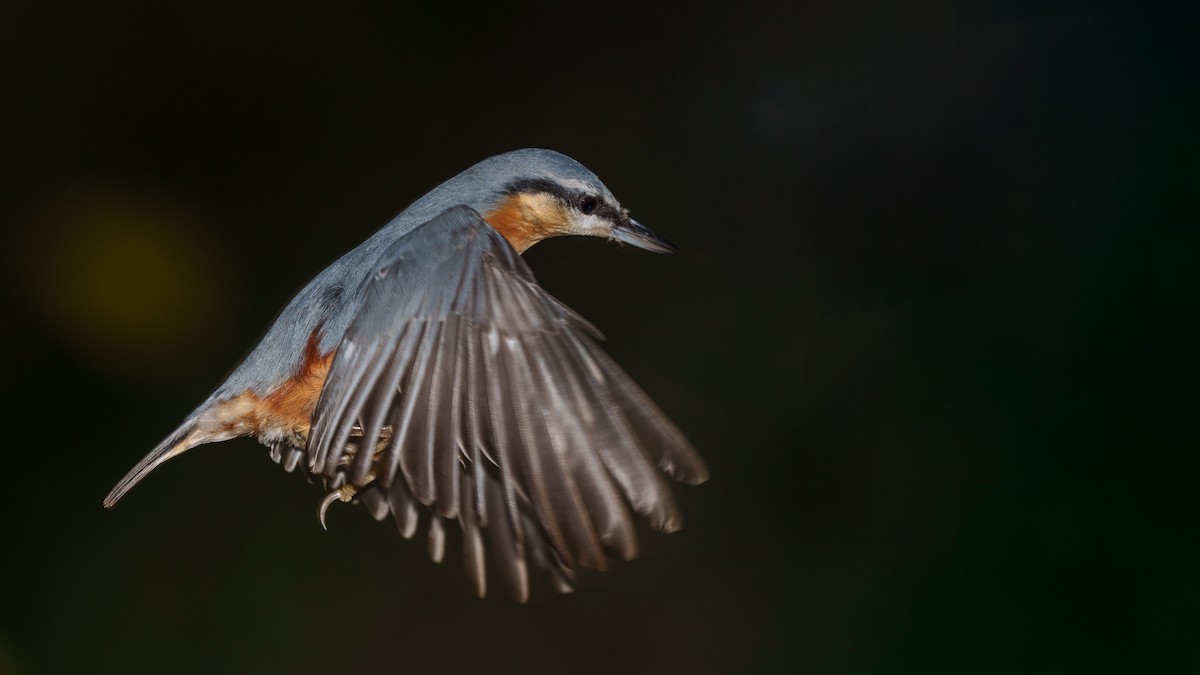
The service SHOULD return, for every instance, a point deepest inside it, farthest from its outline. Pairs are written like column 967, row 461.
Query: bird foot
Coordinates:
column 345, row 493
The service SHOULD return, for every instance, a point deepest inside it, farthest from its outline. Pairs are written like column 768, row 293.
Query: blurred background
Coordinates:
column 929, row 327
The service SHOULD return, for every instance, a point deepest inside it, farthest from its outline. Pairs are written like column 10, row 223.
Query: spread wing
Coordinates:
column 463, row 391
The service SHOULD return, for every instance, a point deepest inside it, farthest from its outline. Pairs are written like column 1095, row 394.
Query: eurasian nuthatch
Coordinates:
column 427, row 375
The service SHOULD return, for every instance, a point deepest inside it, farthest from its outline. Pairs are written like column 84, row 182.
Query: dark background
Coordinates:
column 932, row 328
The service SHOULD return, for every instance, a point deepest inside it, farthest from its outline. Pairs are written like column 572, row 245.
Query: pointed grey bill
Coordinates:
column 640, row 236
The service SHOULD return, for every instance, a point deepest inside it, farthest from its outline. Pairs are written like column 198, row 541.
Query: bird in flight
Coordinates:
column 427, row 376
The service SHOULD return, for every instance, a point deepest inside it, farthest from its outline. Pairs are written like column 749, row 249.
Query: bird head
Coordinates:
column 543, row 194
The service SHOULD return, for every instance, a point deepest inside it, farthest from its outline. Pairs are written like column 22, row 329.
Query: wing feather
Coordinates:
column 444, row 415
column 410, row 421
column 474, row 559
column 404, row 509
column 386, row 466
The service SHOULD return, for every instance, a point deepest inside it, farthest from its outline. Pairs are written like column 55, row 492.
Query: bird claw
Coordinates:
column 345, row 493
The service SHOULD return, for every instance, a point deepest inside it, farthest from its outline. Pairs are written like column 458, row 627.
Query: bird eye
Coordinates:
column 588, row 204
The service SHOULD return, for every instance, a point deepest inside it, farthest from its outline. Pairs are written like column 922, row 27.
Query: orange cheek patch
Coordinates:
column 524, row 219
column 509, row 220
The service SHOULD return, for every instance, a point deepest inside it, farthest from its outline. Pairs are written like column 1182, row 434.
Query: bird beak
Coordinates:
column 633, row 232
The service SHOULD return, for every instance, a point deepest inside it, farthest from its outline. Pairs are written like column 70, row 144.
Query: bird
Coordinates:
column 427, row 376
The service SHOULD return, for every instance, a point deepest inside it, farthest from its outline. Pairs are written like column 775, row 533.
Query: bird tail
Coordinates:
column 186, row 437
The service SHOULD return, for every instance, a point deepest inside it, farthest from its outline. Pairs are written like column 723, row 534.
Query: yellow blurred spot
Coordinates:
column 128, row 278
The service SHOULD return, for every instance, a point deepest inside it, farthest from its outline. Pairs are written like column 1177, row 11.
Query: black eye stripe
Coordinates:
column 538, row 185
column 570, row 197
column 608, row 212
